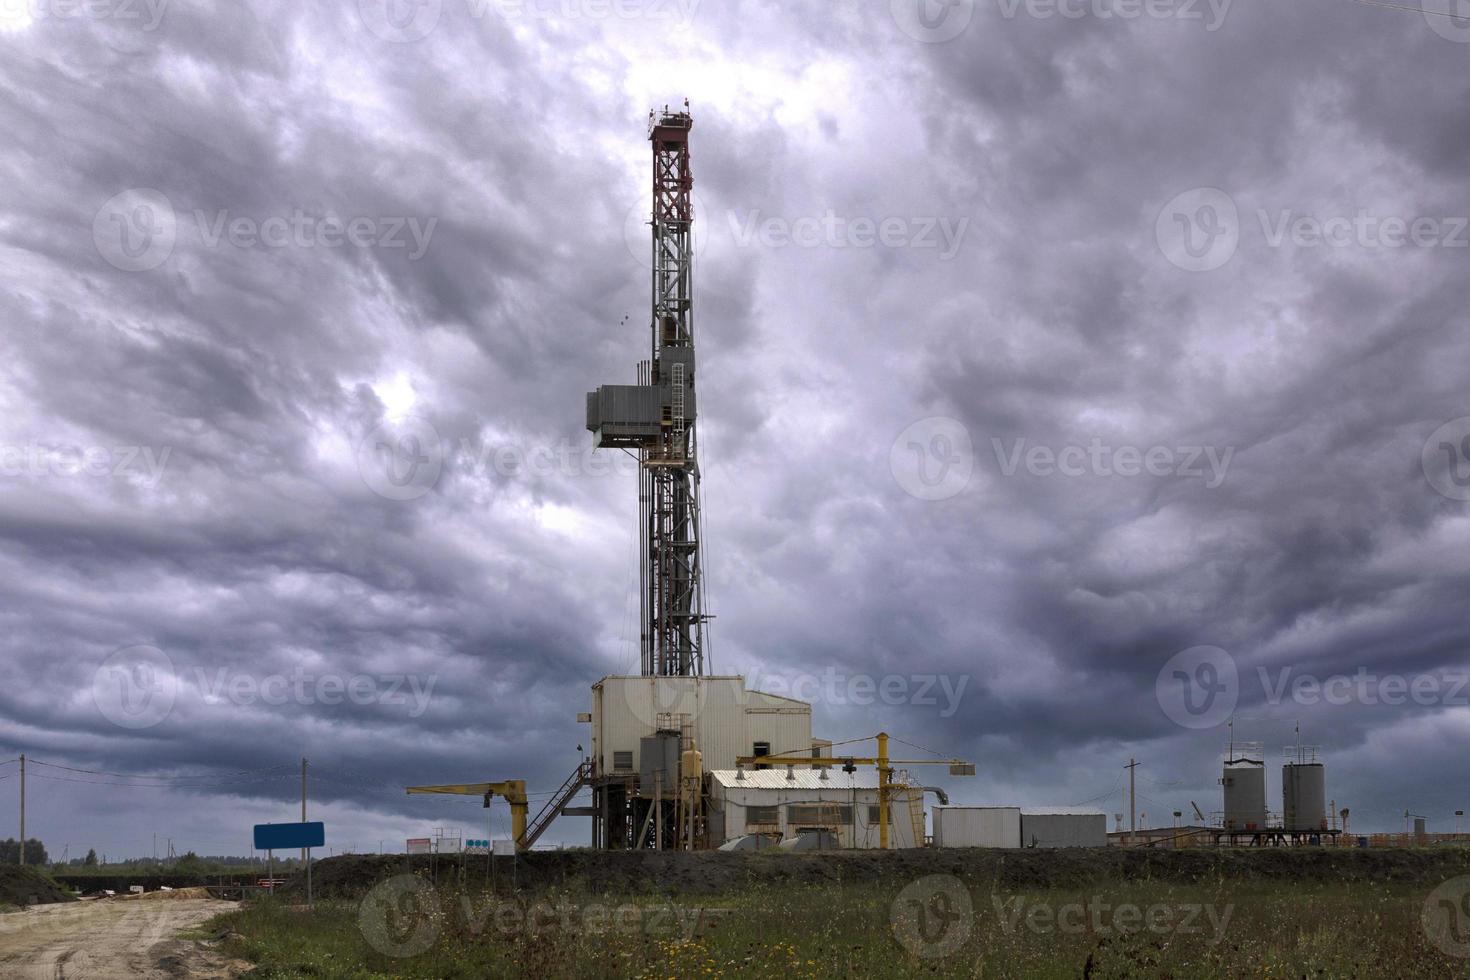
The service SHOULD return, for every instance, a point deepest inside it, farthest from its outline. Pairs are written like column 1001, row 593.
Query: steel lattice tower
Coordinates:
column 656, row 416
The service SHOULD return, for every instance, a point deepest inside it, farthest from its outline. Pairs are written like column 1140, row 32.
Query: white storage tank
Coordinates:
column 977, row 826
column 1063, row 827
column 1244, row 784
column 1303, row 790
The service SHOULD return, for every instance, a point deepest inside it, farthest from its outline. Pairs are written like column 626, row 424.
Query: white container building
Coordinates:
column 785, row 802
column 977, row 826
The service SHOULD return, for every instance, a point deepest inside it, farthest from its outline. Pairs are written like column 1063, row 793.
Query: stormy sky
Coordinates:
column 1075, row 376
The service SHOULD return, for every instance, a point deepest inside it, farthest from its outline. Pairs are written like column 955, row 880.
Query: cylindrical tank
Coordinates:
column 1303, row 796
column 1245, row 795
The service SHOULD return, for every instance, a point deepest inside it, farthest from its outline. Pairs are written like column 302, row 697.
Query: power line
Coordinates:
column 1416, row 10
column 157, row 776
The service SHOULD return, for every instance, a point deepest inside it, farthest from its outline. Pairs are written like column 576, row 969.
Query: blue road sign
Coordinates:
column 289, row 836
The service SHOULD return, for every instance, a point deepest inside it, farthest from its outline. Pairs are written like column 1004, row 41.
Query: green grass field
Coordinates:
column 931, row 925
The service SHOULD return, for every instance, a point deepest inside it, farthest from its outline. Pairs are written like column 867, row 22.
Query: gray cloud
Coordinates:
column 255, row 372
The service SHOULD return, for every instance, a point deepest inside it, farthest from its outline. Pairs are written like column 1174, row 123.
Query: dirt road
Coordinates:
column 106, row 938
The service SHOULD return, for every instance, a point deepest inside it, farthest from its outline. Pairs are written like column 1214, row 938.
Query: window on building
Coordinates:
column 761, row 816
column 761, row 748
column 873, row 813
column 623, row 761
column 819, row 814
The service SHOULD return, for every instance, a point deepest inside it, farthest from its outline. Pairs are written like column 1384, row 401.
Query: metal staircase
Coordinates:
column 581, row 776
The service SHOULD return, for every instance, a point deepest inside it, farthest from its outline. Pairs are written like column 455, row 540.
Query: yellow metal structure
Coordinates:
column 513, row 790
column 885, row 769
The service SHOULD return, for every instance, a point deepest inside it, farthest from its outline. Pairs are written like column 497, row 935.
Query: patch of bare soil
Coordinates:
column 123, row 937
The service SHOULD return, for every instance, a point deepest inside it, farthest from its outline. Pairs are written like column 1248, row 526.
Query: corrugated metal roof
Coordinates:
column 1033, row 811
column 801, row 779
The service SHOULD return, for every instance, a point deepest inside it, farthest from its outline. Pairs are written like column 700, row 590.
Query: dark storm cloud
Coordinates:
column 226, row 391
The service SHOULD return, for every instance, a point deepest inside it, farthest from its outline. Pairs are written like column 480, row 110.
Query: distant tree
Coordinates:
column 35, row 852
column 90, row 860
column 189, row 863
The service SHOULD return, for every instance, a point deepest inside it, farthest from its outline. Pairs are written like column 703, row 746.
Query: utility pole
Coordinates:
column 22, row 810
column 303, row 804
column 1132, row 768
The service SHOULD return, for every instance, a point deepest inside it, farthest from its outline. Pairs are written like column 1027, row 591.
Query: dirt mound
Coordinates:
column 27, row 886
column 713, row 872
column 176, row 893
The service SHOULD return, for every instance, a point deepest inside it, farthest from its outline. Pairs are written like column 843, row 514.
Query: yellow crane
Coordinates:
column 513, row 790
column 957, row 767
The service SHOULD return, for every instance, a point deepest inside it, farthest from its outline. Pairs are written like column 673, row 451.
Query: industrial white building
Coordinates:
column 784, row 802
column 1014, row 826
column 727, row 720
